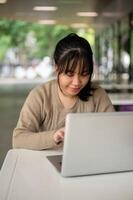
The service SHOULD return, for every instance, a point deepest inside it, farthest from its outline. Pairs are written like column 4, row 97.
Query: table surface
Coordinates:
column 121, row 99
column 27, row 174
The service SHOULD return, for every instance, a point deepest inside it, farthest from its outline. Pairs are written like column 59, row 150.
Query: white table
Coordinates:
column 121, row 99
column 28, row 175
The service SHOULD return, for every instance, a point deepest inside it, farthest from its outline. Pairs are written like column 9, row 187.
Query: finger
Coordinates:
column 59, row 139
column 61, row 134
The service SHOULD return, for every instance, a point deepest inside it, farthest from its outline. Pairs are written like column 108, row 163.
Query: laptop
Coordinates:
column 96, row 143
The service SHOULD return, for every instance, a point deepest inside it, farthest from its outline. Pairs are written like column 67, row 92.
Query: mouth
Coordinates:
column 75, row 89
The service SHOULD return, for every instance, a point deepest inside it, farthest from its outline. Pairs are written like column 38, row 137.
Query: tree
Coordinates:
column 13, row 33
column 48, row 36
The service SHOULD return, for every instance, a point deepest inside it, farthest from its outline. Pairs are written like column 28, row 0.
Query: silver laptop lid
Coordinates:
column 98, row 143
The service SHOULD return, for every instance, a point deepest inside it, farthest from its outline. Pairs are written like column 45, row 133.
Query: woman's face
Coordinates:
column 73, row 82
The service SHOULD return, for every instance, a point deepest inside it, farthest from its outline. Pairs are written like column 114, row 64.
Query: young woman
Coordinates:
column 42, row 118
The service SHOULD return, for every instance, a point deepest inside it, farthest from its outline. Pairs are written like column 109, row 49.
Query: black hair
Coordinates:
column 73, row 50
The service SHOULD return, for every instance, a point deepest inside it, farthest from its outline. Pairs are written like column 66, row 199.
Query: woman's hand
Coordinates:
column 59, row 136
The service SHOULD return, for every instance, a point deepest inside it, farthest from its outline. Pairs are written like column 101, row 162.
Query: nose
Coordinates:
column 76, row 79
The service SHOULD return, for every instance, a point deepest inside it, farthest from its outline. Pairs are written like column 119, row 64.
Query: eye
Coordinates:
column 70, row 74
column 85, row 73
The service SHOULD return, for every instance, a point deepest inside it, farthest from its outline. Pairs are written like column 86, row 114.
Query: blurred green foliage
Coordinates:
column 15, row 34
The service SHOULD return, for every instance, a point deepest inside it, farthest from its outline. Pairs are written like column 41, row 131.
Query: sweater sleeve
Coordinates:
column 102, row 101
column 27, row 133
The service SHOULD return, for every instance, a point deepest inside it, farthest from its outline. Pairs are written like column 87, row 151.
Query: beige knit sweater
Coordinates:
column 43, row 113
